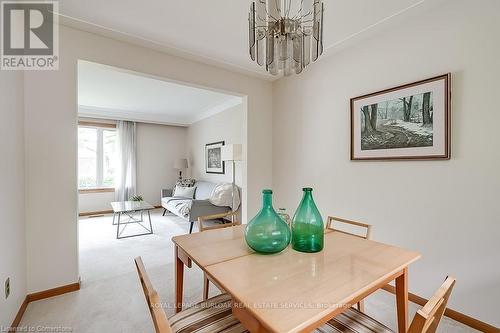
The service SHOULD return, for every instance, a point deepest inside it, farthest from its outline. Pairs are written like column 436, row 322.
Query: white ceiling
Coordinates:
column 112, row 93
column 216, row 31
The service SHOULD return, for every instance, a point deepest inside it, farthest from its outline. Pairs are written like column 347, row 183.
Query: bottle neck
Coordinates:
column 307, row 195
column 267, row 200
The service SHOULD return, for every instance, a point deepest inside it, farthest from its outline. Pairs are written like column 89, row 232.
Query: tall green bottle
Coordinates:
column 267, row 232
column 307, row 225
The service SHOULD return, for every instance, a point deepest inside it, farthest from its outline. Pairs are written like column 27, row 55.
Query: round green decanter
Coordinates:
column 307, row 225
column 267, row 232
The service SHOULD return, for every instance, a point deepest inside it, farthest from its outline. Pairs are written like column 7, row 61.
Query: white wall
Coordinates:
column 95, row 202
column 12, row 223
column 157, row 148
column 447, row 210
column 227, row 126
column 51, row 142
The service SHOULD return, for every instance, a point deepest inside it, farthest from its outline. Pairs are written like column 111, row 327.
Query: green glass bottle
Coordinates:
column 267, row 232
column 307, row 225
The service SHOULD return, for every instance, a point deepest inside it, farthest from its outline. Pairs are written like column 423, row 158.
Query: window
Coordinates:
column 97, row 157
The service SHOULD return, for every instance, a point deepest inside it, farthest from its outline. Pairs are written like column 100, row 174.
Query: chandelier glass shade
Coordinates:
column 285, row 35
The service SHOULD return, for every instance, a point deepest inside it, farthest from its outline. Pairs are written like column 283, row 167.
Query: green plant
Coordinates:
column 137, row 198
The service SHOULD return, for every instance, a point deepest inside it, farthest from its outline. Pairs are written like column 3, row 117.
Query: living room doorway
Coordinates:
column 141, row 139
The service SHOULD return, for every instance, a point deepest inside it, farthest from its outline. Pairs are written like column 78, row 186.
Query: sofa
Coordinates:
column 191, row 209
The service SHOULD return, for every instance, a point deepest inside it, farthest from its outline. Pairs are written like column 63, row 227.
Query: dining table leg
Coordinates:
column 179, row 280
column 402, row 300
column 206, row 286
column 247, row 319
column 181, row 259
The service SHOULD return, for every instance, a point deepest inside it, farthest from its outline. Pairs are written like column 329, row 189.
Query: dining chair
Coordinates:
column 211, row 316
column 201, row 227
column 230, row 214
column 331, row 224
column 426, row 319
column 215, row 314
column 366, row 228
column 160, row 320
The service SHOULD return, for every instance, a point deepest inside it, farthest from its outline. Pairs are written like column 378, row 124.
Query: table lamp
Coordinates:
column 181, row 164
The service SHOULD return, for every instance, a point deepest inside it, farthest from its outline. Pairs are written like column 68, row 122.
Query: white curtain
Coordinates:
column 125, row 186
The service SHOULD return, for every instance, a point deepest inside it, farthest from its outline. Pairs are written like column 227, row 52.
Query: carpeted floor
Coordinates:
column 111, row 299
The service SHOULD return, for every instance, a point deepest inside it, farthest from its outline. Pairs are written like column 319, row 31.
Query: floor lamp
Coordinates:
column 232, row 153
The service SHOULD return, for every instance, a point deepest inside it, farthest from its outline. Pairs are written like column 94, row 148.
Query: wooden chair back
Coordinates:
column 366, row 235
column 160, row 320
column 427, row 319
column 232, row 215
column 335, row 220
column 201, row 219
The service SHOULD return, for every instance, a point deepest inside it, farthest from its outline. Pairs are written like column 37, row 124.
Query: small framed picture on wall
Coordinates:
column 408, row 122
column 213, row 158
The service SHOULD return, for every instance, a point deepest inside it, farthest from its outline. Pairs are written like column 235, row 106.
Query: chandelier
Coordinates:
column 285, row 34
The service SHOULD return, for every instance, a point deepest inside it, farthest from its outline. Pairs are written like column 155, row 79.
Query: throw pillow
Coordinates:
column 184, row 192
column 186, row 182
column 222, row 196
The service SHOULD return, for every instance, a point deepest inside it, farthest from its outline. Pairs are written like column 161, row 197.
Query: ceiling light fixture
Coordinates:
column 286, row 34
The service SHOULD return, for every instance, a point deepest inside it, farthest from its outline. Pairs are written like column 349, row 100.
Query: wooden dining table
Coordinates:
column 293, row 291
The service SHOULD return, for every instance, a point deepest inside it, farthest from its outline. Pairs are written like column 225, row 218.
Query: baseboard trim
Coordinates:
column 99, row 212
column 53, row 292
column 455, row 315
column 102, row 212
column 41, row 295
column 19, row 316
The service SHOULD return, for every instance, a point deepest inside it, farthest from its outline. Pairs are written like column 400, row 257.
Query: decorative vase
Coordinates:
column 267, row 232
column 307, row 225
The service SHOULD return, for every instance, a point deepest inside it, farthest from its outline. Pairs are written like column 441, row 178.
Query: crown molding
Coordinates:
column 130, row 115
column 95, row 112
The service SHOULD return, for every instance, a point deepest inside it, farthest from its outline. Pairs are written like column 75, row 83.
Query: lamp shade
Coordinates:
column 181, row 163
column 231, row 152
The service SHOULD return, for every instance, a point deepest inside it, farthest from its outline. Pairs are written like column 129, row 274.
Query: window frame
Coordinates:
column 101, row 127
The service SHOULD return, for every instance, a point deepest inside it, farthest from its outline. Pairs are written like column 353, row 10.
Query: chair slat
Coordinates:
column 332, row 219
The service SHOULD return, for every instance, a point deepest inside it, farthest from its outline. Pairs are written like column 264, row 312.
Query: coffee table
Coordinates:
column 129, row 209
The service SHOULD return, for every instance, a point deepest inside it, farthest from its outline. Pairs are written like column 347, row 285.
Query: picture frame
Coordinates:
column 407, row 122
column 213, row 158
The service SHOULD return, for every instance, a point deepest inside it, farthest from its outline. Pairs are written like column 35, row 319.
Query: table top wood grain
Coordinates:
column 214, row 246
column 291, row 291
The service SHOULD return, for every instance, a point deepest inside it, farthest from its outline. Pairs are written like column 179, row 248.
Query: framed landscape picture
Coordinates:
column 411, row 121
column 213, row 157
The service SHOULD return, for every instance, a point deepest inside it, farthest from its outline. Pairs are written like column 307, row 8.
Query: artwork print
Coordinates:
column 399, row 123
column 406, row 122
column 213, row 158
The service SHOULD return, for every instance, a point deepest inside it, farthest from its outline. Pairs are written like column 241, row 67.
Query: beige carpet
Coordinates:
column 111, row 298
